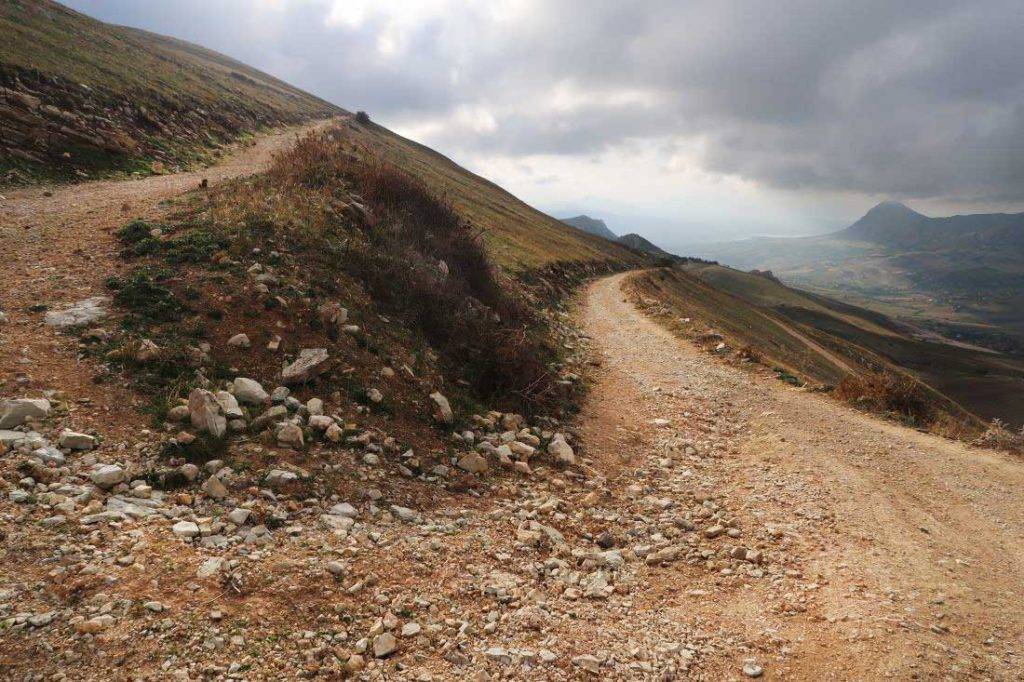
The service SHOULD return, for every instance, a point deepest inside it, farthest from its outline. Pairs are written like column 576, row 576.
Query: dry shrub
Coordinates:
column 888, row 393
column 999, row 435
column 420, row 261
column 749, row 352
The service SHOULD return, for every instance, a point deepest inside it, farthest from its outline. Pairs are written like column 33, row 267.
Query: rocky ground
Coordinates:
column 698, row 520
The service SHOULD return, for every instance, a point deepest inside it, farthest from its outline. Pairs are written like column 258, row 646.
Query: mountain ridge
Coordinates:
column 594, row 226
column 82, row 99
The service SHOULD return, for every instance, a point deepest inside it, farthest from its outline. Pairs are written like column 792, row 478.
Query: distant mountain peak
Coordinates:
column 591, row 225
column 889, row 222
column 891, row 208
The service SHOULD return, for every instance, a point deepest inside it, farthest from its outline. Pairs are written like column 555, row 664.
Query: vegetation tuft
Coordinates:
column 889, row 393
column 145, row 298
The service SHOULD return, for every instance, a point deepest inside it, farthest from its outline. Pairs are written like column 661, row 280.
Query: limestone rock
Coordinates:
column 249, row 391
column 240, row 341
column 206, row 413
column 441, row 409
column 311, row 363
column 16, row 412
column 290, row 435
column 76, row 441
column 561, row 451
column 107, row 476
column 83, row 312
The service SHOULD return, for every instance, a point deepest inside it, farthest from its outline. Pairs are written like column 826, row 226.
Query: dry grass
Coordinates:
column 888, row 393
column 410, row 250
column 518, row 237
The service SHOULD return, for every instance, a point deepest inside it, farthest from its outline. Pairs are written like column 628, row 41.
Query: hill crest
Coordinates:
column 594, row 226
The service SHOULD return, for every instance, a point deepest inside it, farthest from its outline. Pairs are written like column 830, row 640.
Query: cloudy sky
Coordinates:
column 683, row 120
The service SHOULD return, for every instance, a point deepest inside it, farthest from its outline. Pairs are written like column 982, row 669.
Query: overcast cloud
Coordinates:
column 703, row 119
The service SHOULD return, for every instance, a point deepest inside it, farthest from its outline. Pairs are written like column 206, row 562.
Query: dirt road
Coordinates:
column 909, row 548
column 722, row 523
column 57, row 247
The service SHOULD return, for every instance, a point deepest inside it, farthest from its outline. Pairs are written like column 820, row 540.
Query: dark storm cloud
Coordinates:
column 911, row 98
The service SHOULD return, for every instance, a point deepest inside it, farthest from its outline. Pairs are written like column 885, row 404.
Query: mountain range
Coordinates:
column 634, row 241
column 591, row 225
column 962, row 275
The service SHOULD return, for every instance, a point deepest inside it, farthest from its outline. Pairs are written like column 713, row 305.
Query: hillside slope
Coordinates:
column 519, row 236
column 81, row 99
column 820, row 339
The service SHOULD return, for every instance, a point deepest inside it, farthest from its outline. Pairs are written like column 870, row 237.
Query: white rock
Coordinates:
column 384, row 645
column 473, row 462
column 290, row 435
column 185, row 529
column 210, row 567
column 215, row 488
column 76, row 441
column 205, row 413
column 279, row 477
column 441, row 409
column 561, row 451
column 9, row 438
column 344, row 509
column 320, row 422
column 249, row 391
column 239, row 515
column 751, row 669
column 229, row 405
column 189, row 471
column 240, row 341
column 15, row 412
column 334, row 433
column 404, row 513
column 84, row 312
column 310, row 363
column 107, row 476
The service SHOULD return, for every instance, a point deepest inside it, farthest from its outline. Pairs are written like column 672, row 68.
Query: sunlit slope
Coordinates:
column 519, row 236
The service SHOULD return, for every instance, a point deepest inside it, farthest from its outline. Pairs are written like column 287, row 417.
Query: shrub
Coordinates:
column 146, row 299
column 137, row 239
column 888, row 393
column 362, row 117
column 419, row 260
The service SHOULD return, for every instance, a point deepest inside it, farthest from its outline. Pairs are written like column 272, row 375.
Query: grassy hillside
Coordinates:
column 519, row 236
column 80, row 98
column 821, row 340
column 986, row 383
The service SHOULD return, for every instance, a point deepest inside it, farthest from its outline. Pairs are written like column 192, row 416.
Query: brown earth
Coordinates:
column 886, row 553
column 57, row 247
column 910, row 545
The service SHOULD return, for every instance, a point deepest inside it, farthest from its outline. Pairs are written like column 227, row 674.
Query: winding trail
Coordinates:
column 57, row 246
column 908, row 548
column 889, row 553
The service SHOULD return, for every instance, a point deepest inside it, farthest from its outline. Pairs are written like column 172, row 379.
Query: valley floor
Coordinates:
column 725, row 526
